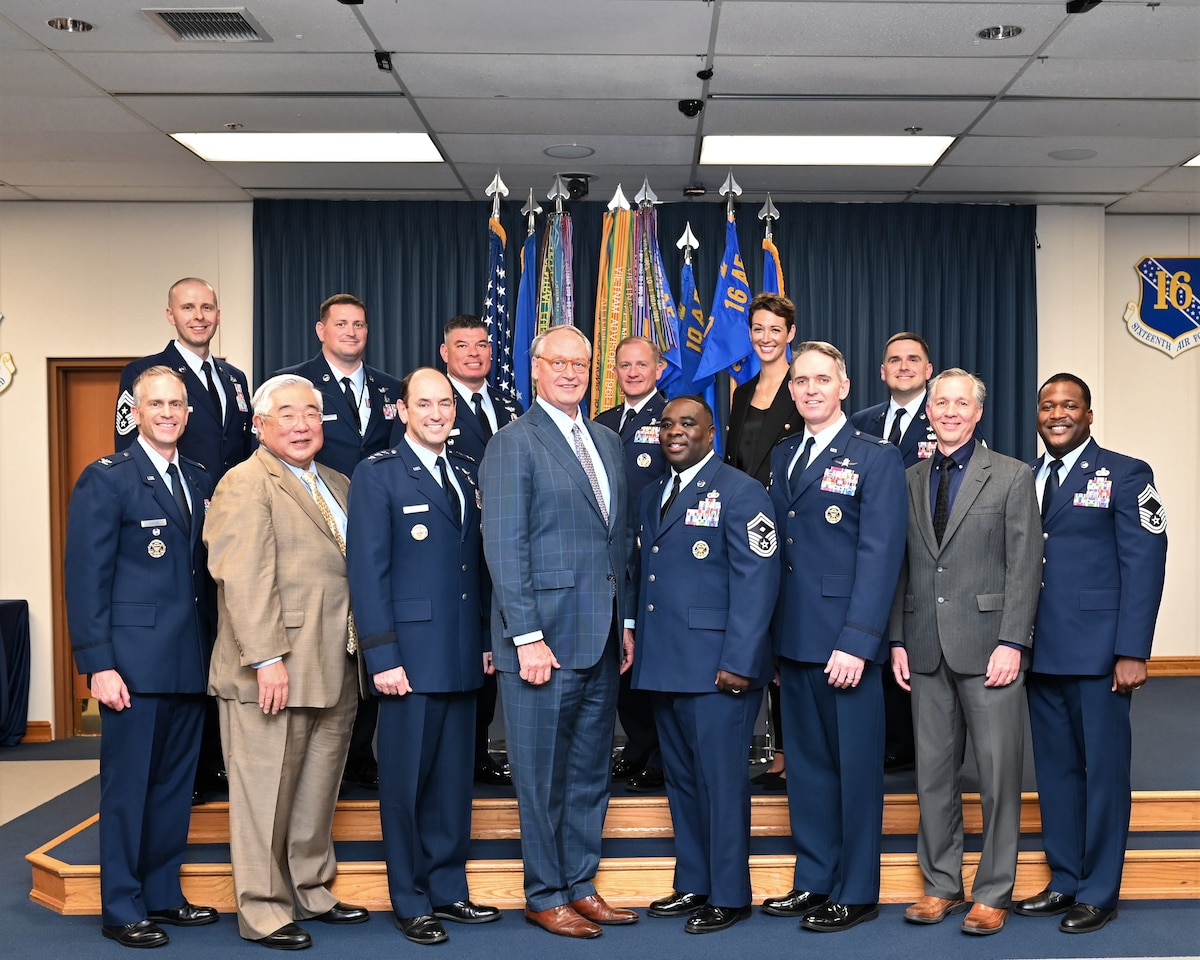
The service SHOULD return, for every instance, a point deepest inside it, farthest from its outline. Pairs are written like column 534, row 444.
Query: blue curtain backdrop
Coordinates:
column 962, row 276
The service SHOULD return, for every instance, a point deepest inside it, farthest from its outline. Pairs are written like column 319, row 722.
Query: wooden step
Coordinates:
column 1149, row 874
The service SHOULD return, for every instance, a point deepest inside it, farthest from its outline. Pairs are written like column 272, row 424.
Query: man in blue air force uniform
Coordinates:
column 414, row 558
column 1105, row 543
column 360, row 408
column 635, row 421
column 480, row 410
column 219, row 419
column 140, row 607
column 842, row 508
column 708, row 578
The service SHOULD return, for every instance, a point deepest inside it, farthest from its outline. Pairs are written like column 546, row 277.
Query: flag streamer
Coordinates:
column 556, row 289
column 614, row 304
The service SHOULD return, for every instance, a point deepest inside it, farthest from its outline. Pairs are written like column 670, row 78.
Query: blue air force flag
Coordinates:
column 727, row 345
column 1167, row 314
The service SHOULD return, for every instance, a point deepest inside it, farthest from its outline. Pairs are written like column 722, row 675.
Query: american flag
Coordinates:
column 495, row 311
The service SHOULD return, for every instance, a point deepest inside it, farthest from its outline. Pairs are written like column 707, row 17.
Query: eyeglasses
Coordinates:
column 289, row 420
column 559, row 364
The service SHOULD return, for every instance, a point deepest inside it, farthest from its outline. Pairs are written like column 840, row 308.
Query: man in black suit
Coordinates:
column 219, row 435
column 636, row 421
column 481, row 411
column 360, row 408
column 140, row 606
column 902, row 420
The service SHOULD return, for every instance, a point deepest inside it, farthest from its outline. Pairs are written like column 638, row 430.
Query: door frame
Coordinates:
column 58, row 372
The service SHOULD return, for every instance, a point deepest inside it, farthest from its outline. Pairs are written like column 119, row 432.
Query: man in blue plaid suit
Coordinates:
column 558, row 540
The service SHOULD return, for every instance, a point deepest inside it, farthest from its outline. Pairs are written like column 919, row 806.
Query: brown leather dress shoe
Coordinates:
column 563, row 921
column 934, row 909
column 595, row 908
column 984, row 920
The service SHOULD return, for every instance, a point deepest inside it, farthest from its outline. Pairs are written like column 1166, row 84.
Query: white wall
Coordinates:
column 90, row 280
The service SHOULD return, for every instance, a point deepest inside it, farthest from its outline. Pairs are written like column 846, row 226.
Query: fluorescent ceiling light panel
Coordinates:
column 242, row 147
column 905, row 151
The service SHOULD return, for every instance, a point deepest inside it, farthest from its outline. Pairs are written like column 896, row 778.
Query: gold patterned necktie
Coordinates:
column 585, row 460
column 310, row 481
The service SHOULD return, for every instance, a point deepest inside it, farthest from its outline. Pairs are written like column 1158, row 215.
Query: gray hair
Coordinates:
column 822, row 347
column 535, row 348
column 952, row 372
column 264, row 396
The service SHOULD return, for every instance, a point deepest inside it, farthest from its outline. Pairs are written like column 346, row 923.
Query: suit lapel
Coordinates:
column 822, row 461
column 158, row 487
column 699, row 489
column 978, row 472
column 917, row 431
column 198, row 504
column 1077, row 478
column 558, row 446
column 197, row 390
column 466, row 420
column 290, row 485
column 921, row 480
column 427, row 483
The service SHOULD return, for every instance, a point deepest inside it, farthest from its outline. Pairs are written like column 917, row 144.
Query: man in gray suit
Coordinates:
column 558, row 540
column 960, row 631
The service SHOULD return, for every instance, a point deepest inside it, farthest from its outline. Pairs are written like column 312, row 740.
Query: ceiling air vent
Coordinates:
column 219, row 25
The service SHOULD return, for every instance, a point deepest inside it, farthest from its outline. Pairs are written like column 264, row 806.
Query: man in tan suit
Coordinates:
column 282, row 668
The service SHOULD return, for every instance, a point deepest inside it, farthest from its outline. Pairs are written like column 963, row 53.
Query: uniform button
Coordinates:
column 1045, row 536
column 791, row 513
column 1043, row 559
column 651, row 578
column 464, row 596
column 941, row 599
column 1043, row 585
column 654, row 549
column 789, row 541
column 649, row 608
column 464, row 566
column 940, row 569
column 789, row 568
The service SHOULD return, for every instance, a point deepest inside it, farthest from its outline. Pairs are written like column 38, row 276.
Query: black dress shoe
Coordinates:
column 622, row 769
column 648, row 780
column 144, row 933
column 184, row 915
column 711, row 918
column 425, row 929
column 288, row 937
column 464, row 911
column 490, row 774
column 343, row 913
column 1048, row 903
column 831, row 917
column 1084, row 918
column 794, row 903
column 677, row 905
column 366, row 777
column 894, row 762
column 768, row 778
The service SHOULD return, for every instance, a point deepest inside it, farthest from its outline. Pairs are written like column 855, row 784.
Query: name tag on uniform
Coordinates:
column 146, row 524
column 1098, row 494
column 841, row 480
column 454, row 432
column 326, row 417
column 417, row 508
column 647, row 434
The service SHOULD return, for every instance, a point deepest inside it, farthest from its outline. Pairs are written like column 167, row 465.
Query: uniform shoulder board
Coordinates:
column 115, row 459
column 1151, row 512
column 383, row 454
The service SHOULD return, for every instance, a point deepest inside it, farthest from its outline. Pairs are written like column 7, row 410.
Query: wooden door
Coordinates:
column 83, row 400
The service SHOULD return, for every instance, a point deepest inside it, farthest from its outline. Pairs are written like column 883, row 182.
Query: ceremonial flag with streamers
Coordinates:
column 556, row 287
column 526, row 320
column 614, row 304
column 772, row 269
column 691, row 346
column 655, row 316
column 727, row 345
column 495, row 310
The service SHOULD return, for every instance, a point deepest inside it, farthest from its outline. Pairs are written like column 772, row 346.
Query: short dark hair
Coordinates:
column 907, row 335
column 463, row 321
column 699, row 401
column 1068, row 378
column 776, row 304
column 339, row 298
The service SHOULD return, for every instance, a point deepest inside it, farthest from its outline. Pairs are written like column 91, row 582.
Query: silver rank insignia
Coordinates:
column 156, row 548
column 125, row 424
column 420, row 532
column 1151, row 510
column 763, row 539
column 643, row 460
column 699, row 549
column 833, row 514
